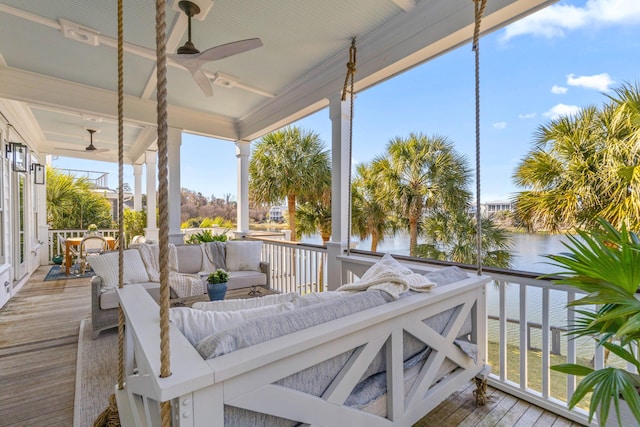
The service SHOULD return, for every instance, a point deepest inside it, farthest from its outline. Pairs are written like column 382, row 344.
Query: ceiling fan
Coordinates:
column 89, row 148
column 192, row 59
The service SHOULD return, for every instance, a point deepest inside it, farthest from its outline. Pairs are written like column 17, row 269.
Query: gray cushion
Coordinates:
column 109, row 299
column 267, row 328
column 244, row 279
column 189, row 258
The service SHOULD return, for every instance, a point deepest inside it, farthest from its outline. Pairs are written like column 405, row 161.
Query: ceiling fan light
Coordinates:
column 223, row 80
column 76, row 32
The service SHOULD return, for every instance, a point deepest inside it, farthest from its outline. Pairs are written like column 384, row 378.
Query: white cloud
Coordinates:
column 561, row 110
column 500, row 125
column 599, row 82
column 559, row 90
column 526, row 116
column 556, row 20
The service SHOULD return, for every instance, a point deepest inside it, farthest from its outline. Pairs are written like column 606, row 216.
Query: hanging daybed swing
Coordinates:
column 267, row 373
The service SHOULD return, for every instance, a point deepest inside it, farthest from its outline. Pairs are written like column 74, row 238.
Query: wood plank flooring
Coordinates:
column 38, row 344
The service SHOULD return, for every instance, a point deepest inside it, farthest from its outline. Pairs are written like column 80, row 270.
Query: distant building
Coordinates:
column 490, row 208
column 276, row 214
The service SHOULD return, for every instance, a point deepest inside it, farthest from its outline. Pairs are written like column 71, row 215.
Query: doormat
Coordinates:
column 57, row 272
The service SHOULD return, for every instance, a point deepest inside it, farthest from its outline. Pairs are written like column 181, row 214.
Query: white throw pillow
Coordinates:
column 106, row 266
column 134, row 268
column 196, row 325
column 394, row 264
column 243, row 255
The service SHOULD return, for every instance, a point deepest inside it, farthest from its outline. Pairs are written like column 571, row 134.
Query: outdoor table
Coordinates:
column 75, row 241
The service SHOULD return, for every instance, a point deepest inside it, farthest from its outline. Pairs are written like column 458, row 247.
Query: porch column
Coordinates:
column 339, row 112
column 137, row 188
column 42, row 226
column 151, row 232
column 243, row 149
column 174, row 141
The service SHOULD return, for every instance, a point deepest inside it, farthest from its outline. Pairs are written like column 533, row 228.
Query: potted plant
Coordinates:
column 605, row 263
column 92, row 229
column 217, row 284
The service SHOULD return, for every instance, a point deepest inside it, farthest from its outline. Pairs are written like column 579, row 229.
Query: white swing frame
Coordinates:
column 199, row 389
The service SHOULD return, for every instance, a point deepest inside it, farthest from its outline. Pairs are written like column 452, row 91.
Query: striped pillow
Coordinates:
column 106, row 266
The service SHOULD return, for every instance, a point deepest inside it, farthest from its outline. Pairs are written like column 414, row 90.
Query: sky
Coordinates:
column 565, row 57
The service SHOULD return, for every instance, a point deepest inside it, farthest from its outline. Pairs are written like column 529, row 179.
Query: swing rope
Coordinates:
column 163, row 193
column 349, row 78
column 110, row 416
column 480, row 6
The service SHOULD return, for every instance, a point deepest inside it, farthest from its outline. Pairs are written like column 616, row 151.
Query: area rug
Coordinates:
column 96, row 373
column 57, row 272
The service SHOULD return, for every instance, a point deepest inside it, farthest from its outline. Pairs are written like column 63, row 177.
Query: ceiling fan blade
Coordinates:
column 228, row 49
column 203, row 81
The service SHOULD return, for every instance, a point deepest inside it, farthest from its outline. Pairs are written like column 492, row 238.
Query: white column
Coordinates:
column 151, row 160
column 42, row 226
column 137, row 188
column 339, row 112
column 174, row 141
column 243, row 149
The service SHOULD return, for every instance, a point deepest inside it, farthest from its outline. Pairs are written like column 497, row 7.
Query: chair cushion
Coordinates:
column 243, row 255
column 109, row 298
column 244, row 279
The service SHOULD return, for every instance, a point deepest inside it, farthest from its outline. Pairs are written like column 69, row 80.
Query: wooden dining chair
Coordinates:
column 73, row 252
column 91, row 246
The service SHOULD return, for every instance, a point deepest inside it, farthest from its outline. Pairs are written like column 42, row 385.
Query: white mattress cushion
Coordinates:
column 198, row 324
column 243, row 255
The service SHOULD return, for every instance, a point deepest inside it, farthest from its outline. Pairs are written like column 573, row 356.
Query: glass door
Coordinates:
column 20, row 241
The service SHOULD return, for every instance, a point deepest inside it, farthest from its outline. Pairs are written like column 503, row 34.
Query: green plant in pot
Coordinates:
column 217, row 284
column 605, row 263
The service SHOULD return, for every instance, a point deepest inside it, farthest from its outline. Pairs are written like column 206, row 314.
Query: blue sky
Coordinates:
column 554, row 62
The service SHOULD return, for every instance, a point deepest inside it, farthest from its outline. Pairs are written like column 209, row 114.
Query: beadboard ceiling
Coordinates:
column 63, row 85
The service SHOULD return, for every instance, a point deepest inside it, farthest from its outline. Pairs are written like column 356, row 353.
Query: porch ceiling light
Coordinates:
column 38, row 173
column 19, row 156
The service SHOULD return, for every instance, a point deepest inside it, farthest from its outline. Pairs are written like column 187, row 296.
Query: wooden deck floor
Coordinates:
column 38, row 344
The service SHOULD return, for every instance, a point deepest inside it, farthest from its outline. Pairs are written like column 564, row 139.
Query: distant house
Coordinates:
column 276, row 214
column 490, row 208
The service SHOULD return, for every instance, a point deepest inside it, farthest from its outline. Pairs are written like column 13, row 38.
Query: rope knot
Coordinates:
column 351, row 70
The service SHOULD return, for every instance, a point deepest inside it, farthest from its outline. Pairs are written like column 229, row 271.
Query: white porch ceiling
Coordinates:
column 64, row 86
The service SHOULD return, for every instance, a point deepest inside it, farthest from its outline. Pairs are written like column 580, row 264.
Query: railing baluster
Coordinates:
column 545, row 343
column 503, row 330
column 524, row 344
column 571, row 347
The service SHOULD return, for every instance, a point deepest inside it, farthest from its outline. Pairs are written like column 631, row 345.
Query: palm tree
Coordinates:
column 584, row 166
column 369, row 211
column 71, row 202
column 291, row 163
column 420, row 175
column 315, row 217
column 452, row 237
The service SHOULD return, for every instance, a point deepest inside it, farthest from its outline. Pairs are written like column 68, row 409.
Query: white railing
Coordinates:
column 527, row 317
column 54, row 244
column 295, row 267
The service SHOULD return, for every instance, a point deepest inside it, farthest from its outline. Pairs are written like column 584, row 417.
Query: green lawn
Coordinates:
column 558, row 384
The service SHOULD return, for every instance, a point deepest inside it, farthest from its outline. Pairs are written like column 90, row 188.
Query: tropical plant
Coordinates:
column 584, row 166
column 290, row 164
column 134, row 223
column 419, row 175
column 369, row 211
column 219, row 276
column 206, row 236
column 605, row 263
column 451, row 236
column 72, row 203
